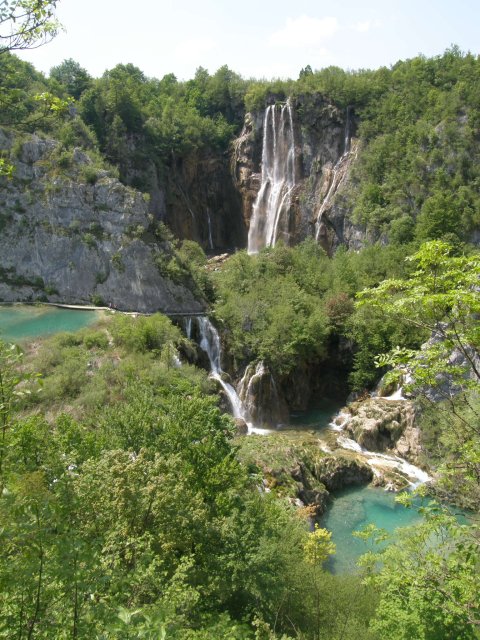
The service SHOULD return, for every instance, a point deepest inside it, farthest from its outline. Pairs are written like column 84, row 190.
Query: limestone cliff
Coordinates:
column 193, row 192
column 72, row 233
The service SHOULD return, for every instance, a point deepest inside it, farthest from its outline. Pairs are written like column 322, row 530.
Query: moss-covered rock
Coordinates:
column 297, row 466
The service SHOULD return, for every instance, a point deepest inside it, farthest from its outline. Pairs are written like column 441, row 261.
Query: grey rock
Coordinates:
column 325, row 152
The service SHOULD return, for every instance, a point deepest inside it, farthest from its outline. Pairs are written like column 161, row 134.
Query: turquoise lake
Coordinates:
column 352, row 510
column 19, row 323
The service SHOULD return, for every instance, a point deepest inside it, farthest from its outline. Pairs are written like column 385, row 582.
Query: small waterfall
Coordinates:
column 326, row 201
column 210, row 343
column 271, row 208
column 336, row 175
column 375, row 459
column 188, row 327
column 259, row 395
column 209, row 221
column 346, row 146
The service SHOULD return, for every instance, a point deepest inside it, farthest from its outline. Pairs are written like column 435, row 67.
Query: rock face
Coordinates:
column 337, row 472
column 325, row 150
column 203, row 203
column 193, row 193
column 259, row 395
column 466, row 361
column 381, row 425
column 80, row 239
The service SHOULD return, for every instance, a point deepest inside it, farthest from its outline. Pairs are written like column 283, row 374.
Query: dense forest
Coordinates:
column 131, row 506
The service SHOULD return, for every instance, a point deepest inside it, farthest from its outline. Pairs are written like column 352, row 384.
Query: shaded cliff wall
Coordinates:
column 203, row 204
column 193, row 193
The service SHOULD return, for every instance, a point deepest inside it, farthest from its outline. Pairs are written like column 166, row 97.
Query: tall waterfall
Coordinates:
column 210, row 343
column 271, row 208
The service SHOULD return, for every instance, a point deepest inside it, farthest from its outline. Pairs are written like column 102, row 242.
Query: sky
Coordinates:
column 255, row 38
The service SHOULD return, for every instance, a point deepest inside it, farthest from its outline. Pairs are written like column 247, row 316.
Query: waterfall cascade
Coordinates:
column 210, row 343
column 270, row 214
column 374, row 459
column 259, row 395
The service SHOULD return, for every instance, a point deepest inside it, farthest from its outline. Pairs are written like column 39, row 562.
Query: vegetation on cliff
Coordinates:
column 285, row 306
column 417, row 170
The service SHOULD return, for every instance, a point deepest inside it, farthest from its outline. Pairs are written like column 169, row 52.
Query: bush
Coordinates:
column 144, row 333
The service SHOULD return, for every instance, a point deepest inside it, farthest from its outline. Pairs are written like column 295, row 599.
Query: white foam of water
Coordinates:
column 272, row 204
column 210, row 343
column 375, row 459
column 396, row 463
column 344, row 419
column 396, row 395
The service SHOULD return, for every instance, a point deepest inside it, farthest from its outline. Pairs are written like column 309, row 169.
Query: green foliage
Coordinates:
column 144, row 333
column 319, row 546
column 429, row 581
column 25, row 24
column 440, row 297
column 268, row 306
column 137, row 519
column 419, row 160
column 6, row 169
column 72, row 77
column 284, row 305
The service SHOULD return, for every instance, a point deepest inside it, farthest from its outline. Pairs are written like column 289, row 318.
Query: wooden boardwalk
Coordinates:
column 91, row 307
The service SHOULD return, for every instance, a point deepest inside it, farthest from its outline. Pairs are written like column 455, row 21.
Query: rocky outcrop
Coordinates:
column 325, row 151
column 80, row 236
column 259, row 395
column 378, row 424
column 246, row 162
column 296, row 467
column 339, row 471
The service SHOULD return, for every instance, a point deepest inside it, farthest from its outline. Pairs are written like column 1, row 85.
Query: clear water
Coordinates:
column 19, row 323
column 352, row 510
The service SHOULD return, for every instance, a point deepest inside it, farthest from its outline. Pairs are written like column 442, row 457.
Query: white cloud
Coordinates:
column 366, row 25
column 193, row 47
column 304, row 32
